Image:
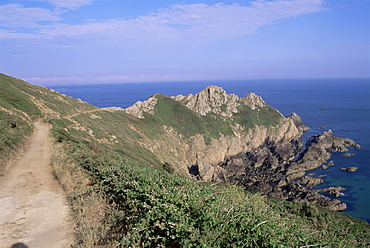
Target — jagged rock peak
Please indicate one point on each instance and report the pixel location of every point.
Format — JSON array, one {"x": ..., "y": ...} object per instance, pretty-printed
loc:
[
  {"x": 215, "y": 99},
  {"x": 139, "y": 107},
  {"x": 253, "y": 101}
]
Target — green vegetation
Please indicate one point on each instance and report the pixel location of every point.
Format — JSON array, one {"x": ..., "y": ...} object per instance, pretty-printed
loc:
[
  {"x": 122, "y": 195},
  {"x": 37, "y": 102},
  {"x": 148, "y": 207},
  {"x": 15, "y": 129},
  {"x": 20, "y": 104},
  {"x": 264, "y": 116},
  {"x": 186, "y": 122}
]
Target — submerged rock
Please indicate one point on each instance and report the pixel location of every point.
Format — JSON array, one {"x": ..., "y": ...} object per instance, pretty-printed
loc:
[
  {"x": 347, "y": 154},
  {"x": 349, "y": 169}
]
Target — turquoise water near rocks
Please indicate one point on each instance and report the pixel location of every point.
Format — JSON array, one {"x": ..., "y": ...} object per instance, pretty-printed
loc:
[{"x": 347, "y": 113}]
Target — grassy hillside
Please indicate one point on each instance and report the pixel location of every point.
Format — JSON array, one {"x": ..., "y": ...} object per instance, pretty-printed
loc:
[
  {"x": 36, "y": 101},
  {"x": 15, "y": 129},
  {"x": 22, "y": 103},
  {"x": 186, "y": 122},
  {"x": 122, "y": 195}
]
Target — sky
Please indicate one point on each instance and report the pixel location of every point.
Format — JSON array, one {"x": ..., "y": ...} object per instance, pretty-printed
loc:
[{"x": 61, "y": 42}]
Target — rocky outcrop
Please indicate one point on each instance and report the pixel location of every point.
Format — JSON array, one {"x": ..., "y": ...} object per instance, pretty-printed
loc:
[
  {"x": 272, "y": 168},
  {"x": 299, "y": 193},
  {"x": 298, "y": 122},
  {"x": 212, "y": 99},
  {"x": 349, "y": 169},
  {"x": 334, "y": 191},
  {"x": 140, "y": 107},
  {"x": 310, "y": 182},
  {"x": 348, "y": 154},
  {"x": 317, "y": 152},
  {"x": 253, "y": 101},
  {"x": 215, "y": 99}
]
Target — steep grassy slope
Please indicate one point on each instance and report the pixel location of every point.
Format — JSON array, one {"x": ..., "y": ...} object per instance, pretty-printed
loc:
[
  {"x": 186, "y": 122},
  {"x": 15, "y": 129},
  {"x": 22, "y": 103},
  {"x": 122, "y": 194}
]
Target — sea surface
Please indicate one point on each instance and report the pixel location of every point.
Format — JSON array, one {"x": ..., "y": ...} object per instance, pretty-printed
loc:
[{"x": 342, "y": 105}]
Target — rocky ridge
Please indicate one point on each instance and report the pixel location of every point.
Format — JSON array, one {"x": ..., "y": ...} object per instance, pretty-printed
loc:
[
  {"x": 266, "y": 159},
  {"x": 212, "y": 99},
  {"x": 215, "y": 99}
]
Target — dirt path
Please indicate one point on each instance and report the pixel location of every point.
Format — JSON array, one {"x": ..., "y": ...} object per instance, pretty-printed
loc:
[{"x": 33, "y": 209}]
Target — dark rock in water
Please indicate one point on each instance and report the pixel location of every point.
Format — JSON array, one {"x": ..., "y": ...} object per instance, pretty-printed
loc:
[
  {"x": 299, "y": 193},
  {"x": 334, "y": 191},
  {"x": 318, "y": 150},
  {"x": 349, "y": 169},
  {"x": 310, "y": 182},
  {"x": 323, "y": 127},
  {"x": 347, "y": 154}
]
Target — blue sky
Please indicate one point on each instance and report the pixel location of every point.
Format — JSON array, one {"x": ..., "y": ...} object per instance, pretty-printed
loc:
[{"x": 116, "y": 41}]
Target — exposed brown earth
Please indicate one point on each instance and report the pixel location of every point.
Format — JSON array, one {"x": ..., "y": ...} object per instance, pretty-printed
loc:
[{"x": 34, "y": 211}]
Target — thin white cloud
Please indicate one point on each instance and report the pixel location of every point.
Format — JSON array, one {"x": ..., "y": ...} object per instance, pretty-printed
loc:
[
  {"x": 16, "y": 15},
  {"x": 134, "y": 78},
  {"x": 70, "y": 4},
  {"x": 191, "y": 24}
]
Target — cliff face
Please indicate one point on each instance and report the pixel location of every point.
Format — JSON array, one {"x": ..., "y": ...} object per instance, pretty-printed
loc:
[{"x": 241, "y": 115}]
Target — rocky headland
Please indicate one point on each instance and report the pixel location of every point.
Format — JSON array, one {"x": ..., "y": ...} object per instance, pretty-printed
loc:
[{"x": 261, "y": 152}]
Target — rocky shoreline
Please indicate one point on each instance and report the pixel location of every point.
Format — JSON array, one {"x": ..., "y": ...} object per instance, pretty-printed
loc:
[{"x": 278, "y": 169}]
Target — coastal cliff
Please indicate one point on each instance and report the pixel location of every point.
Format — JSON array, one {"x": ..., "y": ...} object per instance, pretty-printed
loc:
[
  {"x": 232, "y": 125},
  {"x": 257, "y": 147}
]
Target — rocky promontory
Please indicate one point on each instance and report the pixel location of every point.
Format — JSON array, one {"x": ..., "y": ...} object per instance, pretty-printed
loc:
[{"x": 243, "y": 141}]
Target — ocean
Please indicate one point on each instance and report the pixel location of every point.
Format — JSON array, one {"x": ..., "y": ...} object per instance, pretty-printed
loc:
[{"x": 342, "y": 105}]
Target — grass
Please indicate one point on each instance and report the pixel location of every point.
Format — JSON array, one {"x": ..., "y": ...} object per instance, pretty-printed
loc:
[
  {"x": 186, "y": 122},
  {"x": 15, "y": 130},
  {"x": 263, "y": 116},
  {"x": 37, "y": 102}
]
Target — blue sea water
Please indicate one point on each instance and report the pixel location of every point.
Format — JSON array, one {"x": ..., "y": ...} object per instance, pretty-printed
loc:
[{"x": 347, "y": 113}]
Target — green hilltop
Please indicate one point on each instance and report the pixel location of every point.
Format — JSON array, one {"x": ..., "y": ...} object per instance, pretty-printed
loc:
[{"x": 127, "y": 185}]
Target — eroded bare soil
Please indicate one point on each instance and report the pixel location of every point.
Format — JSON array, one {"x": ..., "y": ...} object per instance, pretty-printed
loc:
[{"x": 33, "y": 208}]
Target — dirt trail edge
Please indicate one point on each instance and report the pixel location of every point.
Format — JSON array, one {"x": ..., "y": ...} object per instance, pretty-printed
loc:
[{"x": 33, "y": 208}]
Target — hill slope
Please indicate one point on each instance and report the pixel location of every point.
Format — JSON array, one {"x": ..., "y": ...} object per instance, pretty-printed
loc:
[
  {"x": 119, "y": 172},
  {"x": 22, "y": 103}
]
